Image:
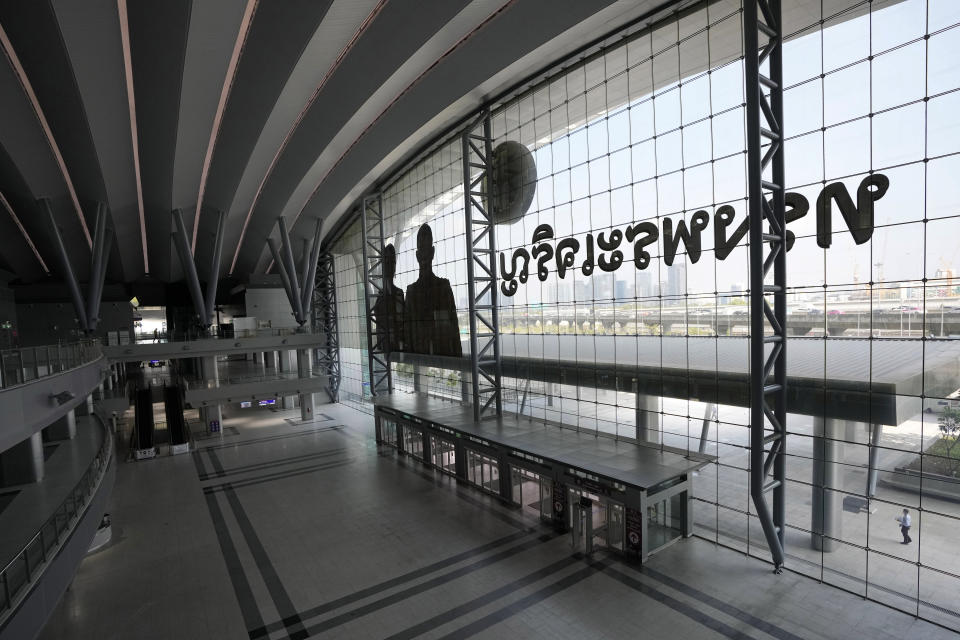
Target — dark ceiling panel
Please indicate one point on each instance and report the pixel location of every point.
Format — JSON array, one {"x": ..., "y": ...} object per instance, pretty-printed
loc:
[
  {"x": 395, "y": 35},
  {"x": 92, "y": 36},
  {"x": 28, "y": 171},
  {"x": 517, "y": 31},
  {"x": 277, "y": 37},
  {"x": 32, "y": 28},
  {"x": 158, "y": 40},
  {"x": 21, "y": 200}
]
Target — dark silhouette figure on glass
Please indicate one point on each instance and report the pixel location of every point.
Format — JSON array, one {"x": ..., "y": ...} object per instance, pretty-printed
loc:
[
  {"x": 430, "y": 323},
  {"x": 388, "y": 310}
]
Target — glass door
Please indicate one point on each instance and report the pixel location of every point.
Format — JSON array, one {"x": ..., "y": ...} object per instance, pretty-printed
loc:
[
  {"x": 615, "y": 526},
  {"x": 598, "y": 513},
  {"x": 546, "y": 498},
  {"x": 664, "y": 521}
]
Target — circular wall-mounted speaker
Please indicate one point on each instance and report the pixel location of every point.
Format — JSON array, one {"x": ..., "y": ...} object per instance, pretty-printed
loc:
[{"x": 513, "y": 182}]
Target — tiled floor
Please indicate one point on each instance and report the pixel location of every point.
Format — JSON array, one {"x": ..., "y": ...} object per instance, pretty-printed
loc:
[{"x": 281, "y": 529}]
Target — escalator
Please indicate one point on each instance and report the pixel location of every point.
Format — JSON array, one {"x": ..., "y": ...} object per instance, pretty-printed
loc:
[
  {"x": 173, "y": 405},
  {"x": 142, "y": 437}
]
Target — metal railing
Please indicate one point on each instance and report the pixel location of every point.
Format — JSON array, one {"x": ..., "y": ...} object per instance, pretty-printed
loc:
[
  {"x": 200, "y": 382},
  {"x": 18, "y": 574},
  {"x": 191, "y": 336},
  {"x": 18, "y": 366}
]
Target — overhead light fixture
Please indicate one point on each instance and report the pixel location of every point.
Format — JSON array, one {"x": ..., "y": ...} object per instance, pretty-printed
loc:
[{"x": 62, "y": 398}]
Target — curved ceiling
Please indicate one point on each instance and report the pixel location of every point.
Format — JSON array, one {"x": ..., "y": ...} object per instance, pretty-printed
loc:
[{"x": 254, "y": 108}]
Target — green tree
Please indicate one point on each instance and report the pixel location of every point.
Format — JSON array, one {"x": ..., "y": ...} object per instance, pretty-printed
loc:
[{"x": 950, "y": 428}]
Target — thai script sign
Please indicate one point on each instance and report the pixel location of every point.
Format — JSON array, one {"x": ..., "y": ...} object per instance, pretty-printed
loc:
[{"x": 603, "y": 250}]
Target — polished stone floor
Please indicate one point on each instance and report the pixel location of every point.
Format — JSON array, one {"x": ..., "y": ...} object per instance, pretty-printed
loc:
[{"x": 280, "y": 529}]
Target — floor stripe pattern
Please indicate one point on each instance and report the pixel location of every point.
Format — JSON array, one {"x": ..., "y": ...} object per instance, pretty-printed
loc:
[{"x": 469, "y": 592}]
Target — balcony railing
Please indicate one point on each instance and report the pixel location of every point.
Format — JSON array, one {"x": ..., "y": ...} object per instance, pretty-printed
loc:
[
  {"x": 18, "y": 366},
  {"x": 28, "y": 565}
]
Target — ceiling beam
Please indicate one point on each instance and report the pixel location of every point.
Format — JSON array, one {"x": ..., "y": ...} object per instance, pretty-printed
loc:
[
  {"x": 218, "y": 118},
  {"x": 296, "y": 123},
  {"x": 28, "y": 90},
  {"x": 132, "y": 104},
  {"x": 23, "y": 231}
]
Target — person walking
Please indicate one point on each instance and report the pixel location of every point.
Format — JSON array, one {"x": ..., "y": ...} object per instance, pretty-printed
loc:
[{"x": 904, "y": 521}]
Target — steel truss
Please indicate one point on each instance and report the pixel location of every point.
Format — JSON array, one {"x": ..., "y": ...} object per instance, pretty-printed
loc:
[
  {"x": 768, "y": 353},
  {"x": 325, "y": 319},
  {"x": 481, "y": 270},
  {"x": 371, "y": 216}
]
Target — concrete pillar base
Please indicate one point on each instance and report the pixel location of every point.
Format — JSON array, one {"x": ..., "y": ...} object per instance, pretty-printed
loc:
[
  {"x": 307, "y": 400},
  {"x": 648, "y": 418},
  {"x": 825, "y": 504},
  {"x": 63, "y": 429}
]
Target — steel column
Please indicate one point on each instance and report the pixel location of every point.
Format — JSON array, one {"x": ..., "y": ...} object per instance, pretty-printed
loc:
[
  {"x": 325, "y": 319},
  {"x": 65, "y": 265},
  {"x": 709, "y": 415},
  {"x": 310, "y": 280},
  {"x": 98, "y": 260},
  {"x": 214, "y": 276},
  {"x": 485, "y": 362},
  {"x": 768, "y": 353},
  {"x": 291, "y": 271},
  {"x": 189, "y": 269},
  {"x": 371, "y": 216},
  {"x": 284, "y": 276},
  {"x": 304, "y": 266}
]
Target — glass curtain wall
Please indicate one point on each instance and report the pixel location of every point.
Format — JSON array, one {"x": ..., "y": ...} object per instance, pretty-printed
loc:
[
  {"x": 652, "y": 131},
  {"x": 430, "y": 193},
  {"x": 639, "y": 285},
  {"x": 352, "y": 319}
]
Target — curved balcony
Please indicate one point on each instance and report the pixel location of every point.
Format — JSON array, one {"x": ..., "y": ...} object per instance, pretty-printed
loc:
[
  {"x": 33, "y": 580},
  {"x": 41, "y": 384}
]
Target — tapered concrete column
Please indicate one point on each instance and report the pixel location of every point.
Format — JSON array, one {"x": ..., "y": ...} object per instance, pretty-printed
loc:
[
  {"x": 257, "y": 357},
  {"x": 307, "y": 408},
  {"x": 288, "y": 364},
  {"x": 85, "y": 408},
  {"x": 826, "y": 503},
  {"x": 648, "y": 418},
  {"x": 22, "y": 463},
  {"x": 108, "y": 381},
  {"x": 63, "y": 429}
]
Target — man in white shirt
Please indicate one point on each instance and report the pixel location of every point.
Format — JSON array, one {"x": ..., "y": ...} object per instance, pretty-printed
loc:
[{"x": 904, "y": 521}]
